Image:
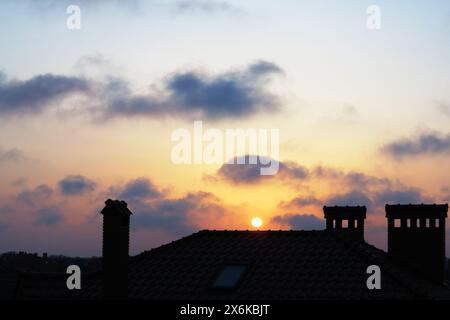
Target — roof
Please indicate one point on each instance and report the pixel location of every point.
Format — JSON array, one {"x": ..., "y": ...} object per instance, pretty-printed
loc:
[
  {"x": 280, "y": 265},
  {"x": 399, "y": 211}
]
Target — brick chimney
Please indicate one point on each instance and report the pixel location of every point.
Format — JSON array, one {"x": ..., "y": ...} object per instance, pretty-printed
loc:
[
  {"x": 116, "y": 233},
  {"x": 416, "y": 237},
  {"x": 346, "y": 221}
]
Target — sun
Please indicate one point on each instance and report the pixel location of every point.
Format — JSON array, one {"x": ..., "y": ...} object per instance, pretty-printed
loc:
[{"x": 257, "y": 222}]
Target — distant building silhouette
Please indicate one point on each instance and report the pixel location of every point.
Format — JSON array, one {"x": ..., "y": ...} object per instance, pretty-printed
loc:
[{"x": 267, "y": 265}]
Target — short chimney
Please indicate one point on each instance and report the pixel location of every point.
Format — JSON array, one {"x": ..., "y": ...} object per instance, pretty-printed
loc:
[
  {"x": 346, "y": 221},
  {"x": 116, "y": 234},
  {"x": 416, "y": 237}
]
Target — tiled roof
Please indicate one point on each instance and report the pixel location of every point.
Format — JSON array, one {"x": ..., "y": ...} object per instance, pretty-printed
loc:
[{"x": 284, "y": 265}]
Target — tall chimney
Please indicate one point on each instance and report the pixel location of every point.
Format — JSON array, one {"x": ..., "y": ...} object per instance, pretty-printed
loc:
[
  {"x": 116, "y": 234},
  {"x": 346, "y": 221},
  {"x": 416, "y": 237}
]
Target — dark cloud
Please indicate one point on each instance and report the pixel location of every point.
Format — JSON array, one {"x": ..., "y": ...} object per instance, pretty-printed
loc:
[
  {"x": 34, "y": 95},
  {"x": 139, "y": 189},
  {"x": 237, "y": 94},
  {"x": 176, "y": 216},
  {"x": 430, "y": 143},
  {"x": 352, "y": 198},
  {"x": 11, "y": 155},
  {"x": 194, "y": 95},
  {"x": 406, "y": 196},
  {"x": 248, "y": 173},
  {"x": 36, "y": 196},
  {"x": 49, "y": 217},
  {"x": 300, "y": 221},
  {"x": 76, "y": 185}
]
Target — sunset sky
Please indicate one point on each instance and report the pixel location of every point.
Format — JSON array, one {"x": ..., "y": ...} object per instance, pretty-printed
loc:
[{"x": 88, "y": 114}]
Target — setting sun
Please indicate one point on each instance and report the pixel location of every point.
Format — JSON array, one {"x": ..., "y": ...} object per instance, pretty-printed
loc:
[{"x": 257, "y": 222}]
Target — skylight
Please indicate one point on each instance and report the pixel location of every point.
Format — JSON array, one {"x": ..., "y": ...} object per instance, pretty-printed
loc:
[{"x": 229, "y": 276}]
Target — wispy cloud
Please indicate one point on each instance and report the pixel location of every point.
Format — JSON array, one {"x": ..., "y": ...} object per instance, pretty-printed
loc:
[
  {"x": 36, "y": 196},
  {"x": 11, "y": 155}
]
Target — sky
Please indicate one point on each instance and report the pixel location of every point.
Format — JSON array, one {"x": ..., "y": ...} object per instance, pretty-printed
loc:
[{"x": 88, "y": 114}]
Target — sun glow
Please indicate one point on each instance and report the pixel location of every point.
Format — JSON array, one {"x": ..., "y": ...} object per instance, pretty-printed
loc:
[{"x": 257, "y": 222}]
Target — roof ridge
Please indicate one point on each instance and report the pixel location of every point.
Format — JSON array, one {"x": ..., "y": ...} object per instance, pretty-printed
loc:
[{"x": 204, "y": 231}]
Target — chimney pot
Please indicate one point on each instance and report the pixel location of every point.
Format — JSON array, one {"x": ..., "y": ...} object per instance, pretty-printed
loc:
[{"x": 352, "y": 215}]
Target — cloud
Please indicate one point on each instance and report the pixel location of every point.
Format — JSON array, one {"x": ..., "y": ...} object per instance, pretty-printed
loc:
[
  {"x": 76, "y": 185},
  {"x": 139, "y": 189},
  {"x": 352, "y": 198},
  {"x": 50, "y": 216},
  {"x": 236, "y": 94},
  {"x": 406, "y": 196},
  {"x": 430, "y": 143},
  {"x": 34, "y": 95},
  {"x": 36, "y": 196},
  {"x": 176, "y": 216},
  {"x": 290, "y": 171},
  {"x": 300, "y": 221},
  {"x": 191, "y": 94},
  {"x": 11, "y": 155},
  {"x": 362, "y": 181},
  {"x": 247, "y": 173}
]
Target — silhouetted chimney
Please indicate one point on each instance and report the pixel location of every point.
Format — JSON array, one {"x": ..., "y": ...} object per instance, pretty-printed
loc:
[
  {"x": 116, "y": 233},
  {"x": 416, "y": 236},
  {"x": 346, "y": 221}
]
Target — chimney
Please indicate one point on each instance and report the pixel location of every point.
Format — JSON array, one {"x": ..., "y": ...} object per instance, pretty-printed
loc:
[
  {"x": 346, "y": 221},
  {"x": 416, "y": 237},
  {"x": 116, "y": 233}
]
